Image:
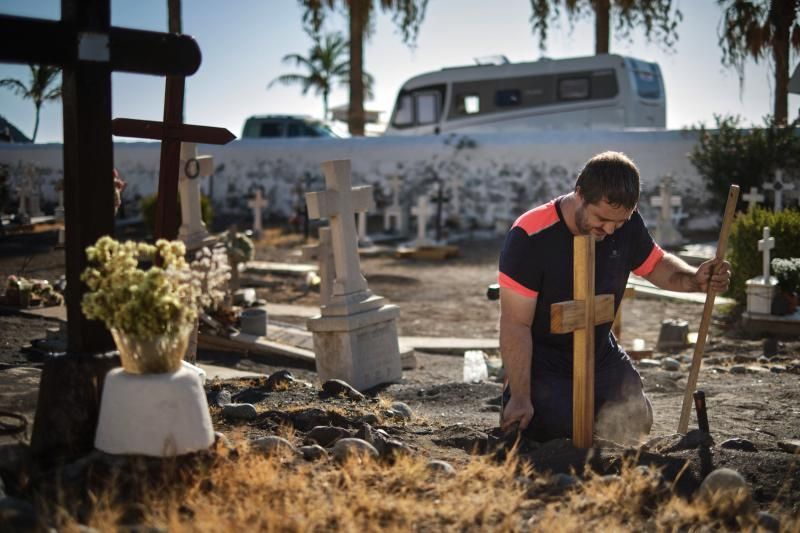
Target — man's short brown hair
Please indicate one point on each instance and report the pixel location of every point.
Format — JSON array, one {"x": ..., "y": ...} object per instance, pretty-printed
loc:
[{"x": 610, "y": 176}]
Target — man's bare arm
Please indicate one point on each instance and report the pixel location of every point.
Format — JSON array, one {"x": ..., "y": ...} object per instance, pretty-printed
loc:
[
  {"x": 673, "y": 274},
  {"x": 516, "y": 348}
]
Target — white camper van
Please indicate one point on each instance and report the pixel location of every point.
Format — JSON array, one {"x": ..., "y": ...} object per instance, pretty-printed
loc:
[{"x": 597, "y": 92}]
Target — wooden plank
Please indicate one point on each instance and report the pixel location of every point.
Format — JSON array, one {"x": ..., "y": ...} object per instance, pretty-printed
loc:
[
  {"x": 243, "y": 343},
  {"x": 708, "y": 307},
  {"x": 583, "y": 344},
  {"x": 566, "y": 317},
  {"x": 151, "y": 129}
]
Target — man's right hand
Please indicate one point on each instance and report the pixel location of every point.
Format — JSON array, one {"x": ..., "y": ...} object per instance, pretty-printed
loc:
[{"x": 517, "y": 410}]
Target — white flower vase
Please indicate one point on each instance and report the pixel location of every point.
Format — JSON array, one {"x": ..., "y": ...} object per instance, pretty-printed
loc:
[{"x": 154, "y": 405}]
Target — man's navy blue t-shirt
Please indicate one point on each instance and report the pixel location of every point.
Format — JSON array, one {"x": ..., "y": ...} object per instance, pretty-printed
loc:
[{"x": 536, "y": 261}]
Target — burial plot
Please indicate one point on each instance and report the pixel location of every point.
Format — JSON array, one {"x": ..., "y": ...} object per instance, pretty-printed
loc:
[
  {"x": 761, "y": 289},
  {"x": 355, "y": 336},
  {"x": 88, "y": 49}
]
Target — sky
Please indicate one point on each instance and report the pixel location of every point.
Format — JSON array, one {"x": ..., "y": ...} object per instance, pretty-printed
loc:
[{"x": 243, "y": 41}]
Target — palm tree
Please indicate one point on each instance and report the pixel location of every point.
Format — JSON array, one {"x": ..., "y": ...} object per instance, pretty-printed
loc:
[
  {"x": 39, "y": 90},
  {"x": 326, "y": 64},
  {"x": 656, "y": 17},
  {"x": 755, "y": 28},
  {"x": 407, "y": 15}
]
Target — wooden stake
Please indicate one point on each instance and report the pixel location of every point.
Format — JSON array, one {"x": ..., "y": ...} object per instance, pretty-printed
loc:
[
  {"x": 705, "y": 321},
  {"x": 579, "y": 317}
]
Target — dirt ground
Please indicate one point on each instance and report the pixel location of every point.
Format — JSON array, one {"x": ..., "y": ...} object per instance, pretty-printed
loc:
[{"x": 451, "y": 418}]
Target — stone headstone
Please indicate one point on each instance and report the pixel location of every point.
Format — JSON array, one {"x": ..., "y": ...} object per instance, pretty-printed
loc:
[
  {"x": 192, "y": 167},
  {"x": 355, "y": 336},
  {"x": 394, "y": 216},
  {"x": 666, "y": 234},
  {"x": 323, "y": 254},
  {"x": 422, "y": 211},
  {"x": 761, "y": 289},
  {"x": 257, "y": 204},
  {"x": 674, "y": 334},
  {"x": 363, "y": 238},
  {"x": 778, "y": 186}
]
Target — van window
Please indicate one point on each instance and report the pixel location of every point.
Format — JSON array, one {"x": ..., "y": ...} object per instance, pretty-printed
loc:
[
  {"x": 573, "y": 88},
  {"x": 299, "y": 129},
  {"x": 647, "y": 79},
  {"x": 507, "y": 98},
  {"x": 404, "y": 114},
  {"x": 468, "y": 104},
  {"x": 271, "y": 129},
  {"x": 604, "y": 84},
  {"x": 427, "y": 108}
]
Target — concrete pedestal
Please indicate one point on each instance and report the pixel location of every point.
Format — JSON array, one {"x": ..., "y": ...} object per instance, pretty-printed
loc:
[
  {"x": 760, "y": 294},
  {"x": 158, "y": 415},
  {"x": 359, "y": 348}
]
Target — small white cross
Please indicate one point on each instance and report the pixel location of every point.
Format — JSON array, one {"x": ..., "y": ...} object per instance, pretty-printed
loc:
[
  {"x": 765, "y": 245},
  {"x": 422, "y": 211},
  {"x": 752, "y": 198},
  {"x": 257, "y": 204},
  {"x": 778, "y": 186}
]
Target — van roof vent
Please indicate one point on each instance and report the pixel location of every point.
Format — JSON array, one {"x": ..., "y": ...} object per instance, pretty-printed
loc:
[{"x": 498, "y": 59}]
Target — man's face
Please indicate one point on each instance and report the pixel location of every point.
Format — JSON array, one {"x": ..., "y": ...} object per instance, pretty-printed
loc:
[{"x": 600, "y": 219}]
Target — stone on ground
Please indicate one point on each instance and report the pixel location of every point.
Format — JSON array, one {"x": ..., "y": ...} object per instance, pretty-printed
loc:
[
  {"x": 326, "y": 436},
  {"x": 726, "y": 492},
  {"x": 345, "y": 448},
  {"x": 313, "y": 452},
  {"x": 403, "y": 409},
  {"x": 272, "y": 444},
  {"x": 441, "y": 467},
  {"x": 338, "y": 387},
  {"x": 239, "y": 411}
]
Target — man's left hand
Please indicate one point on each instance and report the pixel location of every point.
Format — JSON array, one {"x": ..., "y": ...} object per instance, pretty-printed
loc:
[{"x": 715, "y": 272}]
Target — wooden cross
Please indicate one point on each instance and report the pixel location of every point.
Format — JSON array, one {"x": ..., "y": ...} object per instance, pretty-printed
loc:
[
  {"x": 579, "y": 316},
  {"x": 777, "y": 187},
  {"x": 88, "y": 49},
  {"x": 257, "y": 204},
  {"x": 339, "y": 204},
  {"x": 752, "y": 198},
  {"x": 766, "y": 244}
]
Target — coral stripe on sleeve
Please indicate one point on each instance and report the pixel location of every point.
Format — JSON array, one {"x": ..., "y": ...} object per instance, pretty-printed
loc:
[
  {"x": 538, "y": 219},
  {"x": 508, "y": 283},
  {"x": 650, "y": 263}
]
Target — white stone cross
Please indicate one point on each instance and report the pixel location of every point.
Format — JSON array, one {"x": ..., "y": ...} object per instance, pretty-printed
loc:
[
  {"x": 422, "y": 211},
  {"x": 257, "y": 204},
  {"x": 339, "y": 204},
  {"x": 666, "y": 233},
  {"x": 193, "y": 229},
  {"x": 752, "y": 198},
  {"x": 395, "y": 211},
  {"x": 777, "y": 187},
  {"x": 363, "y": 239},
  {"x": 765, "y": 245},
  {"x": 323, "y": 254}
]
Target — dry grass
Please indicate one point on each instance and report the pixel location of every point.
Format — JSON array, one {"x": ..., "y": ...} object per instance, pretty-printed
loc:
[{"x": 240, "y": 490}]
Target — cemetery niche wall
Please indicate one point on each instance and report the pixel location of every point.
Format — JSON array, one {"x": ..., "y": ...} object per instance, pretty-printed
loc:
[{"x": 489, "y": 177}]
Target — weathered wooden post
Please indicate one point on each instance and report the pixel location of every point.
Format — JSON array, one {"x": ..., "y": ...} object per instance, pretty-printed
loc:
[{"x": 579, "y": 316}]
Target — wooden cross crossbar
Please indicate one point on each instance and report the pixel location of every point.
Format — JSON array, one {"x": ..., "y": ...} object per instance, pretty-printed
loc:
[{"x": 579, "y": 316}]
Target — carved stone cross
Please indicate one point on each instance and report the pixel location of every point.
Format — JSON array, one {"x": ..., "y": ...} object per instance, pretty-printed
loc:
[
  {"x": 257, "y": 204},
  {"x": 778, "y": 187},
  {"x": 395, "y": 211},
  {"x": 579, "y": 316},
  {"x": 422, "y": 211},
  {"x": 323, "y": 254},
  {"x": 193, "y": 229},
  {"x": 752, "y": 198},
  {"x": 766, "y": 244},
  {"x": 338, "y": 204}
]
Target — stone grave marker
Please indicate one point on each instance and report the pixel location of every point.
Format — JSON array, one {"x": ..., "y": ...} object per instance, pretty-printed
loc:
[
  {"x": 323, "y": 254},
  {"x": 422, "y": 211},
  {"x": 193, "y": 230},
  {"x": 363, "y": 239},
  {"x": 778, "y": 186},
  {"x": 753, "y": 198},
  {"x": 761, "y": 289},
  {"x": 394, "y": 216},
  {"x": 33, "y": 184},
  {"x": 666, "y": 234},
  {"x": 355, "y": 336},
  {"x": 257, "y": 204}
]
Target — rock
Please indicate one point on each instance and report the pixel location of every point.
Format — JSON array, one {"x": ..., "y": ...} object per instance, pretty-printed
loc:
[
  {"x": 365, "y": 433},
  {"x": 369, "y": 418},
  {"x": 309, "y": 418},
  {"x": 738, "y": 443},
  {"x": 649, "y": 363},
  {"x": 791, "y": 446},
  {"x": 745, "y": 358},
  {"x": 325, "y": 436},
  {"x": 345, "y": 448},
  {"x": 390, "y": 413},
  {"x": 670, "y": 364},
  {"x": 17, "y": 515},
  {"x": 777, "y": 369},
  {"x": 719, "y": 369},
  {"x": 403, "y": 410},
  {"x": 738, "y": 369},
  {"x": 685, "y": 359},
  {"x": 726, "y": 492},
  {"x": 337, "y": 387},
  {"x": 768, "y": 521},
  {"x": 564, "y": 481},
  {"x": 763, "y": 359},
  {"x": 441, "y": 467},
  {"x": 393, "y": 448},
  {"x": 279, "y": 379},
  {"x": 249, "y": 396},
  {"x": 273, "y": 444},
  {"x": 674, "y": 334},
  {"x": 755, "y": 369},
  {"x": 676, "y": 442},
  {"x": 313, "y": 452},
  {"x": 714, "y": 360},
  {"x": 220, "y": 398},
  {"x": 221, "y": 442},
  {"x": 240, "y": 411},
  {"x": 770, "y": 346}
]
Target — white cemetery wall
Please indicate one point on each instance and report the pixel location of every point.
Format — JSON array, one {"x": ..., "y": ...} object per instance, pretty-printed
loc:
[{"x": 535, "y": 166}]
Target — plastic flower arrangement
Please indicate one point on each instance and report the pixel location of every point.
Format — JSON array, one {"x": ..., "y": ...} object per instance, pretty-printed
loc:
[
  {"x": 211, "y": 271},
  {"x": 161, "y": 300}
]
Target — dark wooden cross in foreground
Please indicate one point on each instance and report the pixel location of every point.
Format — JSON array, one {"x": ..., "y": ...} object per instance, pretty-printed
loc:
[
  {"x": 579, "y": 317},
  {"x": 88, "y": 49}
]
